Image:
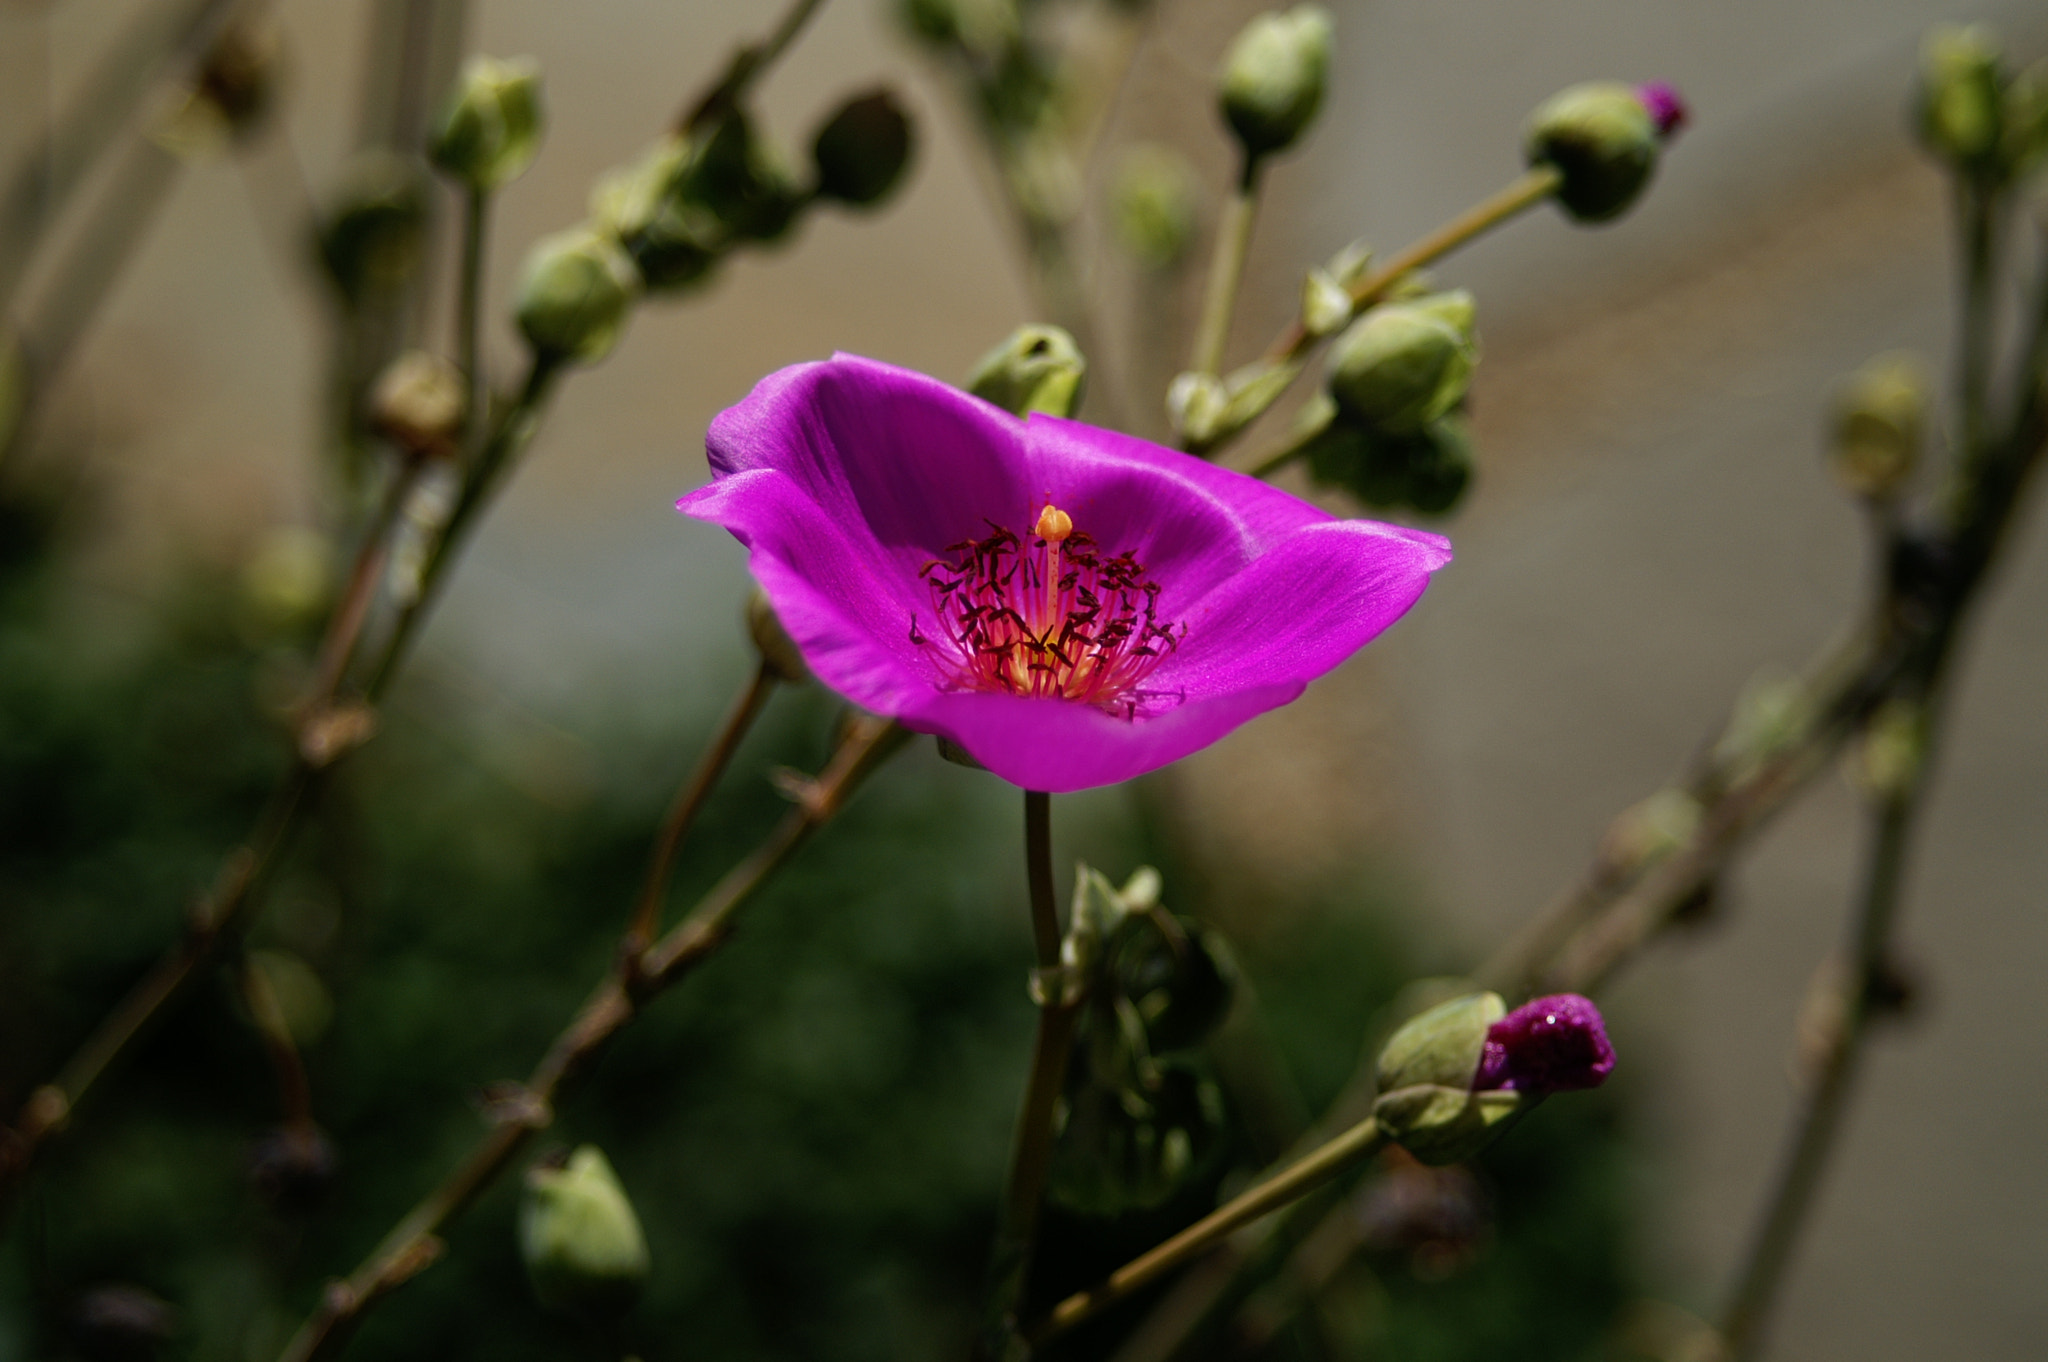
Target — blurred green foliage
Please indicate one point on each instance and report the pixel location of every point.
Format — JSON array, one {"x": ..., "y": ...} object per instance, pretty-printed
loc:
[{"x": 813, "y": 1127}]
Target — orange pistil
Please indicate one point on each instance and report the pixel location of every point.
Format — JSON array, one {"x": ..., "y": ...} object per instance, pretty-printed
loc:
[{"x": 1048, "y": 616}]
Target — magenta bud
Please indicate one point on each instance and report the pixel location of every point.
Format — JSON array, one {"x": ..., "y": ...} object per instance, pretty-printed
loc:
[
  {"x": 1667, "y": 110},
  {"x": 1554, "y": 1044}
]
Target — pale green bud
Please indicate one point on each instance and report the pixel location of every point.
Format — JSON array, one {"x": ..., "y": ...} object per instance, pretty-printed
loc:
[
  {"x": 581, "y": 1241},
  {"x": 576, "y": 293},
  {"x": 1349, "y": 265},
  {"x": 1651, "y": 829},
  {"x": 1893, "y": 749},
  {"x": 1153, "y": 205},
  {"x": 1197, "y": 405},
  {"x": 1879, "y": 417},
  {"x": 1402, "y": 365},
  {"x": 1325, "y": 304},
  {"x": 1426, "y": 1069},
  {"x": 674, "y": 242},
  {"x": 1603, "y": 141},
  {"x": 287, "y": 581},
  {"x": 778, "y": 651},
  {"x": 1036, "y": 368},
  {"x": 862, "y": 151},
  {"x": 1961, "y": 96},
  {"x": 1274, "y": 76},
  {"x": 490, "y": 128},
  {"x": 371, "y": 239}
]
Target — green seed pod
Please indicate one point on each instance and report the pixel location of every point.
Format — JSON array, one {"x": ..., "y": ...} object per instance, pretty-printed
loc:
[
  {"x": 581, "y": 1241},
  {"x": 1961, "y": 97},
  {"x": 1879, "y": 417},
  {"x": 490, "y": 128},
  {"x": 777, "y": 649},
  {"x": 1273, "y": 78},
  {"x": 1036, "y": 368},
  {"x": 577, "y": 290},
  {"x": 1153, "y": 205},
  {"x": 1402, "y": 365},
  {"x": 1602, "y": 139},
  {"x": 1325, "y": 304},
  {"x": 863, "y": 150},
  {"x": 1426, "y": 1070}
]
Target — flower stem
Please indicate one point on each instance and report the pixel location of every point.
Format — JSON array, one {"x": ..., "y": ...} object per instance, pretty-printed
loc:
[
  {"x": 1031, "y": 1147},
  {"x": 345, "y": 626},
  {"x": 1798, "y": 1181},
  {"x": 689, "y": 801},
  {"x": 747, "y": 65},
  {"x": 414, "y": 1244},
  {"x": 1226, "y": 268},
  {"x": 1354, "y": 1146}
]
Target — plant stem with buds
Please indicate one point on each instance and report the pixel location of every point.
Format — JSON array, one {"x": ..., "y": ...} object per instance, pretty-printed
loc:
[{"x": 1226, "y": 269}]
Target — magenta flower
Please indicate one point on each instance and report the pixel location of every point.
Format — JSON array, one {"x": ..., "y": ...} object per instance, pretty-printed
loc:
[
  {"x": 1072, "y": 606},
  {"x": 1665, "y": 106},
  {"x": 1554, "y": 1044}
]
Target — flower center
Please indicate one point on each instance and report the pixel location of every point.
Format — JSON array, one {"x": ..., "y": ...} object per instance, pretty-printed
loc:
[{"x": 1048, "y": 615}]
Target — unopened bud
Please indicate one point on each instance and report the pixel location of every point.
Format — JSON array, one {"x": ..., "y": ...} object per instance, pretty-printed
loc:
[
  {"x": 575, "y": 295},
  {"x": 293, "y": 1169},
  {"x": 1402, "y": 365},
  {"x": 1602, "y": 138},
  {"x": 1274, "y": 76},
  {"x": 491, "y": 127},
  {"x": 286, "y": 581},
  {"x": 1961, "y": 96},
  {"x": 232, "y": 92},
  {"x": 1878, "y": 420},
  {"x": 673, "y": 242},
  {"x": 743, "y": 180},
  {"x": 1426, "y": 1100},
  {"x": 778, "y": 651},
  {"x": 1153, "y": 205},
  {"x": 1036, "y": 368},
  {"x": 1547, "y": 1045},
  {"x": 1894, "y": 747},
  {"x": 417, "y": 404},
  {"x": 372, "y": 237},
  {"x": 1325, "y": 304},
  {"x": 1650, "y": 830},
  {"x": 862, "y": 152},
  {"x": 581, "y": 1241},
  {"x": 1349, "y": 265},
  {"x": 1196, "y": 404}
]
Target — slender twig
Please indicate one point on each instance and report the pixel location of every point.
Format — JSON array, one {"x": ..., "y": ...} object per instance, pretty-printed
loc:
[
  {"x": 1297, "y": 1180},
  {"x": 1226, "y": 268},
  {"x": 747, "y": 65},
  {"x": 1031, "y": 1147},
  {"x": 1977, "y": 211},
  {"x": 689, "y": 801},
  {"x": 415, "y": 1243},
  {"x": 365, "y": 575},
  {"x": 1820, "y": 1120}
]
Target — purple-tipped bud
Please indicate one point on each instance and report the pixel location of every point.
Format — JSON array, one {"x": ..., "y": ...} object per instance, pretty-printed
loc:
[
  {"x": 1667, "y": 110},
  {"x": 1554, "y": 1044}
]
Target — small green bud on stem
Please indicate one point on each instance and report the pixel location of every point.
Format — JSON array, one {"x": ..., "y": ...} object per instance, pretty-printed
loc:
[
  {"x": 1403, "y": 365},
  {"x": 1603, "y": 139},
  {"x": 1153, "y": 205},
  {"x": 490, "y": 128},
  {"x": 1036, "y": 368},
  {"x": 582, "y": 1244},
  {"x": 417, "y": 404},
  {"x": 1879, "y": 417},
  {"x": 1426, "y": 1071},
  {"x": 573, "y": 301},
  {"x": 1961, "y": 98},
  {"x": 1274, "y": 76}
]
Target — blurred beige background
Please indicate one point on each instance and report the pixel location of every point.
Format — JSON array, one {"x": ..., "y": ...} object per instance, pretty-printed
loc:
[{"x": 1651, "y": 527}]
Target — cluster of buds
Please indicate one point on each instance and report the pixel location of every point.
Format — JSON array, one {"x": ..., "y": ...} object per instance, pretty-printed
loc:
[
  {"x": 1458, "y": 1075},
  {"x": 1984, "y": 123},
  {"x": 663, "y": 223},
  {"x": 1391, "y": 428},
  {"x": 1139, "y": 1117}
]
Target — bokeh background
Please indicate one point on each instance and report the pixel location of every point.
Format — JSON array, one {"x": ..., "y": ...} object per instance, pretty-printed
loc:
[{"x": 1651, "y": 528}]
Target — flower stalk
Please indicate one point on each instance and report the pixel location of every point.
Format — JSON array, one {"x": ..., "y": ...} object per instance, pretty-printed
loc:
[{"x": 1226, "y": 268}]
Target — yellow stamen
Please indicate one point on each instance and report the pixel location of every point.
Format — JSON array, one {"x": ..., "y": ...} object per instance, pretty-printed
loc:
[{"x": 1054, "y": 525}]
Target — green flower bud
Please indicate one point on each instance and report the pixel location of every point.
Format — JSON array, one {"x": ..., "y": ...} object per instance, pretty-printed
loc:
[
  {"x": 1273, "y": 78},
  {"x": 1426, "y": 1070},
  {"x": 575, "y": 295},
  {"x": 581, "y": 1241},
  {"x": 491, "y": 126},
  {"x": 1153, "y": 205},
  {"x": 1037, "y": 368},
  {"x": 231, "y": 93},
  {"x": 744, "y": 181},
  {"x": 1325, "y": 304},
  {"x": 1877, "y": 430},
  {"x": 1893, "y": 749},
  {"x": 1197, "y": 404},
  {"x": 1403, "y": 365},
  {"x": 778, "y": 650},
  {"x": 372, "y": 238},
  {"x": 1961, "y": 95},
  {"x": 674, "y": 242},
  {"x": 417, "y": 404},
  {"x": 1603, "y": 141},
  {"x": 862, "y": 152}
]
